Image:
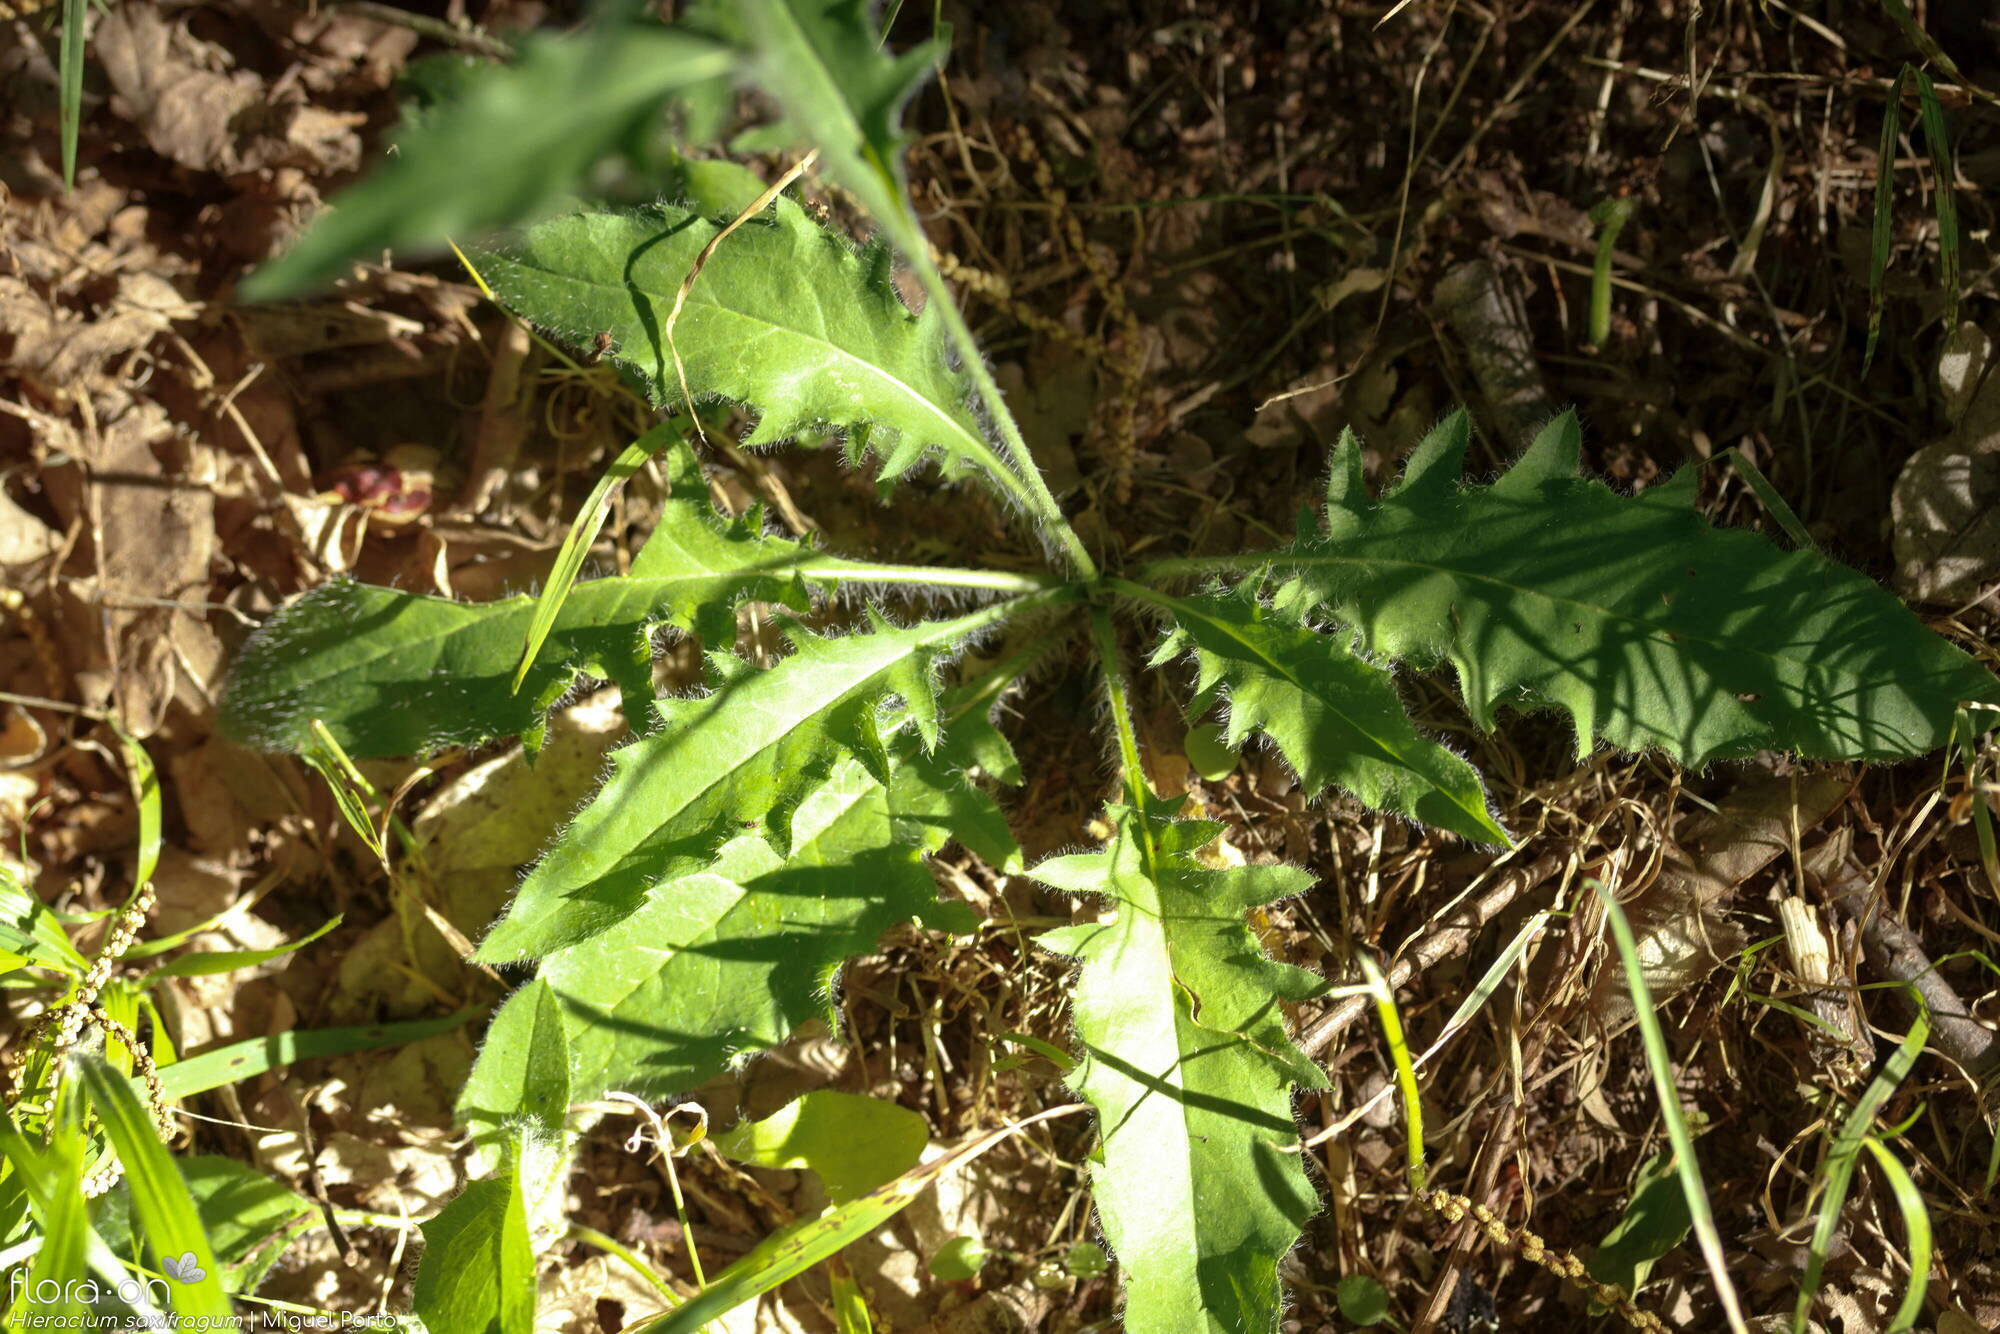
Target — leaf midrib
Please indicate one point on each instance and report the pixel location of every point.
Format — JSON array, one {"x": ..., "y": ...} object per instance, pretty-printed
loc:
[{"x": 973, "y": 444}]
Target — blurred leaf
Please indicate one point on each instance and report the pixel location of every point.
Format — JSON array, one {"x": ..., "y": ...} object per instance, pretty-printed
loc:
[
  {"x": 514, "y": 141},
  {"x": 1362, "y": 1299}
]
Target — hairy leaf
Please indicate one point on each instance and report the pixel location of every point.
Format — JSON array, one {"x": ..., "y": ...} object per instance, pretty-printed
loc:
[
  {"x": 739, "y": 759},
  {"x": 1335, "y": 716},
  {"x": 1187, "y": 1061},
  {"x": 478, "y": 1269},
  {"x": 823, "y": 62},
  {"x": 730, "y": 959},
  {"x": 786, "y": 317},
  {"x": 1648, "y": 626},
  {"x": 396, "y": 673},
  {"x": 511, "y": 143}
]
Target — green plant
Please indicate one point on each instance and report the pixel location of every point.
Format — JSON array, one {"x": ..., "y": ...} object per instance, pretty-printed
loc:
[{"x": 752, "y": 837}]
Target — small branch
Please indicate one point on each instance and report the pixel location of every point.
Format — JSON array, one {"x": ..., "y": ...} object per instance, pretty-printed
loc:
[{"x": 1899, "y": 956}]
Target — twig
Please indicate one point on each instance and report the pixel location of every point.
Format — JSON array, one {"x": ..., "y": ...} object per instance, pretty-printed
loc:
[{"x": 1454, "y": 937}]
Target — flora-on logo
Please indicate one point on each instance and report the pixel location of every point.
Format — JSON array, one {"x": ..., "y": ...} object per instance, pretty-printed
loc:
[{"x": 183, "y": 1268}]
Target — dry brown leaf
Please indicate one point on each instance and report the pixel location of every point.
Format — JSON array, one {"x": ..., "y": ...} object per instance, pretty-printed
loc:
[
  {"x": 1946, "y": 503},
  {"x": 174, "y": 88}
]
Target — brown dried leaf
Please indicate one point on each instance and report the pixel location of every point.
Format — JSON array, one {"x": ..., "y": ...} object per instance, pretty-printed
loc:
[{"x": 1946, "y": 503}]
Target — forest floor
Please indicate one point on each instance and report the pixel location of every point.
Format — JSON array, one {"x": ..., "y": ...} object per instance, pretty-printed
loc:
[{"x": 1226, "y": 233}]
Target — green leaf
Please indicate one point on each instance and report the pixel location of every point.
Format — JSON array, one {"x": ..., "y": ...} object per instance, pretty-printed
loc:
[
  {"x": 739, "y": 758},
  {"x": 786, "y": 318},
  {"x": 823, "y": 62},
  {"x": 396, "y": 673},
  {"x": 161, "y": 1202},
  {"x": 1335, "y": 716},
  {"x": 730, "y": 960},
  {"x": 854, "y": 1144},
  {"x": 1655, "y": 1221},
  {"x": 209, "y": 963},
  {"x": 31, "y": 933},
  {"x": 253, "y": 1056},
  {"x": 511, "y": 144},
  {"x": 1187, "y": 1061},
  {"x": 1363, "y": 1300},
  {"x": 478, "y": 1270},
  {"x": 1649, "y": 627},
  {"x": 245, "y": 1213},
  {"x": 582, "y": 536}
]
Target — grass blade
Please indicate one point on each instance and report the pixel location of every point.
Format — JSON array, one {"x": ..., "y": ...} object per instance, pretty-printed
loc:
[
  {"x": 1840, "y": 1158},
  {"x": 1944, "y": 170},
  {"x": 1917, "y": 1223},
  {"x": 1661, "y": 1064},
  {"x": 161, "y": 1203},
  {"x": 1885, "y": 197},
  {"x": 76, "y": 14},
  {"x": 583, "y": 535},
  {"x": 796, "y": 1249},
  {"x": 254, "y": 1056}
]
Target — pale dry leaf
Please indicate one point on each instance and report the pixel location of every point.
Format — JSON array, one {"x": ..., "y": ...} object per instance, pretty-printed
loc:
[
  {"x": 175, "y": 88},
  {"x": 24, "y": 539},
  {"x": 1946, "y": 503}
]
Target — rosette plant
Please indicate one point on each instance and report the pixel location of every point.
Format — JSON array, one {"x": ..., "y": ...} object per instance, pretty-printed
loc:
[{"x": 754, "y": 835}]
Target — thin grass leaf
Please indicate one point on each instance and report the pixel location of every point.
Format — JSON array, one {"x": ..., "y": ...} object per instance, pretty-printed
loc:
[
  {"x": 42, "y": 1182},
  {"x": 65, "y": 1227},
  {"x": 1660, "y": 1062},
  {"x": 798, "y": 1248},
  {"x": 209, "y": 963},
  {"x": 1406, "y": 1073},
  {"x": 146, "y": 799},
  {"x": 1882, "y": 233},
  {"x": 76, "y": 16},
  {"x": 1767, "y": 495},
  {"x": 254, "y": 1056},
  {"x": 1842, "y": 1154},
  {"x": 1928, "y": 47},
  {"x": 1916, "y": 1224},
  {"x": 161, "y": 1202},
  {"x": 583, "y": 535},
  {"x": 351, "y": 791},
  {"x": 1944, "y": 173}
]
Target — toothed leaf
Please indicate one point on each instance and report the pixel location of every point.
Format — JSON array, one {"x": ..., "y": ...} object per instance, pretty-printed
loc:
[
  {"x": 1335, "y": 717},
  {"x": 397, "y": 673},
  {"x": 730, "y": 959},
  {"x": 786, "y": 317},
  {"x": 1186, "y": 1059},
  {"x": 1632, "y": 614},
  {"x": 736, "y": 760}
]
